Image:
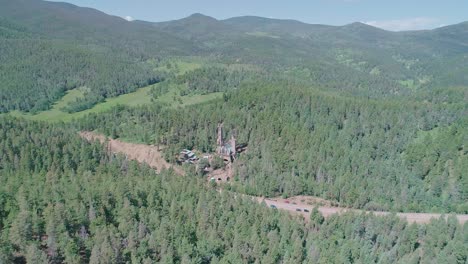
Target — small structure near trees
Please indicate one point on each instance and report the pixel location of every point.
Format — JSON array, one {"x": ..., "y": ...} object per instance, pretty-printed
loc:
[{"x": 187, "y": 156}]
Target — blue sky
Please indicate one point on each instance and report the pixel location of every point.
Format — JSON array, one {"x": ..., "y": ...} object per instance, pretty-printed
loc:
[{"x": 388, "y": 14}]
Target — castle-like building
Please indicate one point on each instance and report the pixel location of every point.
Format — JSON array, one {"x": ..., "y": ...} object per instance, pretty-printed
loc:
[{"x": 227, "y": 150}]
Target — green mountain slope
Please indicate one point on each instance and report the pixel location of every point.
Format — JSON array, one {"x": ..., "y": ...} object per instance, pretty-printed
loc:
[
  {"x": 356, "y": 58},
  {"x": 359, "y": 152},
  {"x": 49, "y": 48},
  {"x": 419, "y": 56}
]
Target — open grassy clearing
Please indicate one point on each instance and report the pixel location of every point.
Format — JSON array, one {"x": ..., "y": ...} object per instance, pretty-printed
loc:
[
  {"x": 179, "y": 67},
  {"x": 262, "y": 34},
  {"x": 139, "y": 97},
  {"x": 173, "y": 100},
  {"x": 408, "y": 83}
]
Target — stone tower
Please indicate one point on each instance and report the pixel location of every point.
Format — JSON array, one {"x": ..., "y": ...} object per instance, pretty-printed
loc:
[
  {"x": 219, "y": 141},
  {"x": 233, "y": 146}
]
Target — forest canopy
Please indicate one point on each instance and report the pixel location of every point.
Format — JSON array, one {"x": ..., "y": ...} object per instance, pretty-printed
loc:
[
  {"x": 303, "y": 141},
  {"x": 66, "y": 200}
]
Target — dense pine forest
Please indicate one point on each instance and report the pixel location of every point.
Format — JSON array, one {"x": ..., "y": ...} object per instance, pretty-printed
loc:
[
  {"x": 308, "y": 142},
  {"x": 66, "y": 200},
  {"x": 357, "y": 116}
]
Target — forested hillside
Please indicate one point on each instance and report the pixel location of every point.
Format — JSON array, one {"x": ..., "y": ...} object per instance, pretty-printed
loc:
[
  {"x": 49, "y": 48},
  {"x": 65, "y": 200},
  {"x": 351, "y": 115},
  {"x": 45, "y": 70},
  {"x": 308, "y": 142},
  {"x": 352, "y": 58}
]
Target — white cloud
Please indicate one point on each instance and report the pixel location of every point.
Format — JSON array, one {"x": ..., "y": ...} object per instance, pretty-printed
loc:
[
  {"x": 416, "y": 23},
  {"x": 128, "y": 18}
]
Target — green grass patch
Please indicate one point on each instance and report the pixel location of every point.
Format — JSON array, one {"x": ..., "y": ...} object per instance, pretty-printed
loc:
[
  {"x": 408, "y": 83},
  {"x": 375, "y": 71},
  {"x": 421, "y": 135},
  {"x": 262, "y": 34},
  {"x": 191, "y": 99},
  {"x": 178, "y": 67},
  {"x": 139, "y": 97}
]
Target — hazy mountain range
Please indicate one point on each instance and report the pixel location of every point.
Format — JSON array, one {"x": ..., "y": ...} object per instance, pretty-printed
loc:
[{"x": 405, "y": 60}]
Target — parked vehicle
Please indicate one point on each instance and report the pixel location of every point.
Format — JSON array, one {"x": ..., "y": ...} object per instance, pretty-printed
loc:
[
  {"x": 273, "y": 206},
  {"x": 306, "y": 210},
  {"x": 298, "y": 209}
]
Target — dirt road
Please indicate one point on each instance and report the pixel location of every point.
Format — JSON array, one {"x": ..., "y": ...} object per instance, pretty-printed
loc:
[
  {"x": 142, "y": 153},
  {"x": 419, "y": 218},
  {"x": 153, "y": 157}
]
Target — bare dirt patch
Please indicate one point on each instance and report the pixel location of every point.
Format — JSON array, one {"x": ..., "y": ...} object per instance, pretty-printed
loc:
[
  {"x": 220, "y": 175},
  {"x": 142, "y": 153}
]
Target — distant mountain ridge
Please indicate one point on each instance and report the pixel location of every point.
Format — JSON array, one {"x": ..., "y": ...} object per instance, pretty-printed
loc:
[
  {"x": 408, "y": 55},
  {"x": 356, "y": 57}
]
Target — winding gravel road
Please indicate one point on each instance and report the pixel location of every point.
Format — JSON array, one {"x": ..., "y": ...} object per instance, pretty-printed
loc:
[{"x": 419, "y": 218}]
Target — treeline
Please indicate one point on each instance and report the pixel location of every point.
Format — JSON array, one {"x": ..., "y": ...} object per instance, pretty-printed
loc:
[
  {"x": 301, "y": 141},
  {"x": 65, "y": 200},
  {"x": 212, "y": 79},
  {"x": 440, "y": 156},
  {"x": 49, "y": 48},
  {"x": 209, "y": 78},
  {"x": 352, "y": 238}
]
